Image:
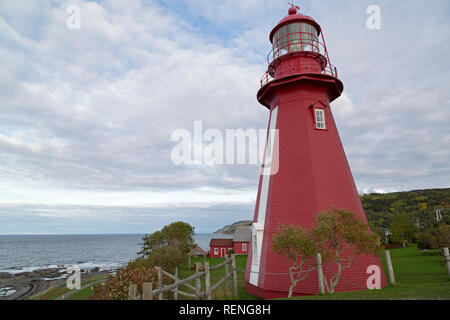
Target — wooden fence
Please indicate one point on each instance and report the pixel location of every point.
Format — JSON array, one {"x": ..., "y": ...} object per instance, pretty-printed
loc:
[
  {"x": 230, "y": 263},
  {"x": 148, "y": 293}
]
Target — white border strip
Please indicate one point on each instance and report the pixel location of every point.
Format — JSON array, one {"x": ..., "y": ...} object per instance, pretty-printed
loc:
[{"x": 258, "y": 227}]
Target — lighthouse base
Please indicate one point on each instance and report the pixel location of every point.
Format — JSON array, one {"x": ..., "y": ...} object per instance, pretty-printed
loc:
[
  {"x": 271, "y": 294},
  {"x": 366, "y": 273},
  {"x": 268, "y": 294}
]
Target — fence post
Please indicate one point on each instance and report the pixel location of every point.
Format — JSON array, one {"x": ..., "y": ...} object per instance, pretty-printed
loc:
[
  {"x": 207, "y": 281},
  {"x": 390, "y": 269},
  {"x": 198, "y": 283},
  {"x": 175, "y": 293},
  {"x": 320, "y": 274},
  {"x": 227, "y": 272},
  {"x": 147, "y": 291},
  {"x": 447, "y": 260},
  {"x": 235, "y": 283},
  {"x": 160, "y": 284},
  {"x": 132, "y": 292}
]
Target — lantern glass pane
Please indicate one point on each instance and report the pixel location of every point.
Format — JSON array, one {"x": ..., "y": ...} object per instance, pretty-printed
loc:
[
  {"x": 306, "y": 37},
  {"x": 282, "y": 40},
  {"x": 315, "y": 40},
  {"x": 294, "y": 37},
  {"x": 275, "y": 45}
]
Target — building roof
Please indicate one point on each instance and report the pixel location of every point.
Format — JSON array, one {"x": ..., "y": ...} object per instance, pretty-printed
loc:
[
  {"x": 242, "y": 234},
  {"x": 221, "y": 242},
  {"x": 197, "y": 251}
]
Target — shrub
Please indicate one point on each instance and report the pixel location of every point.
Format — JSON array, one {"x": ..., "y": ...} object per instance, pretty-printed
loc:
[
  {"x": 341, "y": 236},
  {"x": 116, "y": 288},
  {"x": 178, "y": 234},
  {"x": 436, "y": 238},
  {"x": 443, "y": 236},
  {"x": 296, "y": 244},
  {"x": 338, "y": 235},
  {"x": 167, "y": 257},
  {"x": 402, "y": 229},
  {"x": 426, "y": 240}
]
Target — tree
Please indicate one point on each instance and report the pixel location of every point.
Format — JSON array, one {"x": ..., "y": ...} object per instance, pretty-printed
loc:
[
  {"x": 402, "y": 229},
  {"x": 442, "y": 236},
  {"x": 167, "y": 257},
  {"x": 418, "y": 205},
  {"x": 296, "y": 244},
  {"x": 179, "y": 235},
  {"x": 436, "y": 238},
  {"x": 341, "y": 236}
]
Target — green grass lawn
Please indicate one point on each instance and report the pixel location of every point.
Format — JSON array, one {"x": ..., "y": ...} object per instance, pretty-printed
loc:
[
  {"x": 51, "y": 293},
  {"x": 216, "y": 275},
  {"x": 83, "y": 294},
  {"x": 418, "y": 276},
  {"x": 57, "y": 291}
]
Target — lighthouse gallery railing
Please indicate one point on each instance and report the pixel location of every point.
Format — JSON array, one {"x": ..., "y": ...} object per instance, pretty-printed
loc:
[{"x": 298, "y": 42}]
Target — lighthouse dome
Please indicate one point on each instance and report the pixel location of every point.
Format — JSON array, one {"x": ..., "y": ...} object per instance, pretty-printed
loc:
[
  {"x": 295, "y": 32},
  {"x": 295, "y": 16}
]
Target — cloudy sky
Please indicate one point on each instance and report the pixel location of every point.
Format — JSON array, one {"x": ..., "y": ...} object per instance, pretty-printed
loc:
[{"x": 86, "y": 115}]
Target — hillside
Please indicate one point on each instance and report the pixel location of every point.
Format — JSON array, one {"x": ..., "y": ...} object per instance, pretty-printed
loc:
[
  {"x": 231, "y": 228},
  {"x": 417, "y": 204}
]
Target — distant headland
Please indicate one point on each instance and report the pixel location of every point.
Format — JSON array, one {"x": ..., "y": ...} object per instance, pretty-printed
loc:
[{"x": 229, "y": 229}]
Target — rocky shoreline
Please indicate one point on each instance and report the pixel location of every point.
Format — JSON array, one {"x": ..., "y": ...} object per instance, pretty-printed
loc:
[{"x": 23, "y": 285}]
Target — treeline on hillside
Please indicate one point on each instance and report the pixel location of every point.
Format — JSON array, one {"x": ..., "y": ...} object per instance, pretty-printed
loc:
[{"x": 411, "y": 212}]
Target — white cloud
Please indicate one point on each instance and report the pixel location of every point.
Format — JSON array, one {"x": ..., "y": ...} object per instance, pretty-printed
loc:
[{"x": 86, "y": 115}]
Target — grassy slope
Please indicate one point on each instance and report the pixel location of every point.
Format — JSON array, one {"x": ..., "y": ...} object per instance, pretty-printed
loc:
[
  {"x": 57, "y": 291},
  {"x": 216, "y": 275},
  {"x": 418, "y": 276},
  {"x": 83, "y": 294}
]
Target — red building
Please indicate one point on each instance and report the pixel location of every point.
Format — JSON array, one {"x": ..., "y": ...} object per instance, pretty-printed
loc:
[
  {"x": 311, "y": 173},
  {"x": 240, "y": 243},
  {"x": 218, "y": 248},
  {"x": 241, "y": 240}
]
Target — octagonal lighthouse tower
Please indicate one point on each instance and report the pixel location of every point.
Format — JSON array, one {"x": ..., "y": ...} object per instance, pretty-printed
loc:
[{"x": 311, "y": 173}]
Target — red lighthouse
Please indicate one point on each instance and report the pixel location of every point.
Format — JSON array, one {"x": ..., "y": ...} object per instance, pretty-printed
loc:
[{"x": 312, "y": 173}]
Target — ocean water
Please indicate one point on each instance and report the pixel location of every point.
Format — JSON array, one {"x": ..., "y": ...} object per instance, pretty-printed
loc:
[{"x": 21, "y": 253}]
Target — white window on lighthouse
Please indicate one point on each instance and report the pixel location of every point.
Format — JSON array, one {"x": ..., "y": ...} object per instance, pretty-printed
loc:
[
  {"x": 320, "y": 119},
  {"x": 255, "y": 249}
]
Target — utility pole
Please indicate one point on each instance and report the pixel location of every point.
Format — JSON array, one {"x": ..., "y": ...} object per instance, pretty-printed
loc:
[{"x": 438, "y": 215}]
